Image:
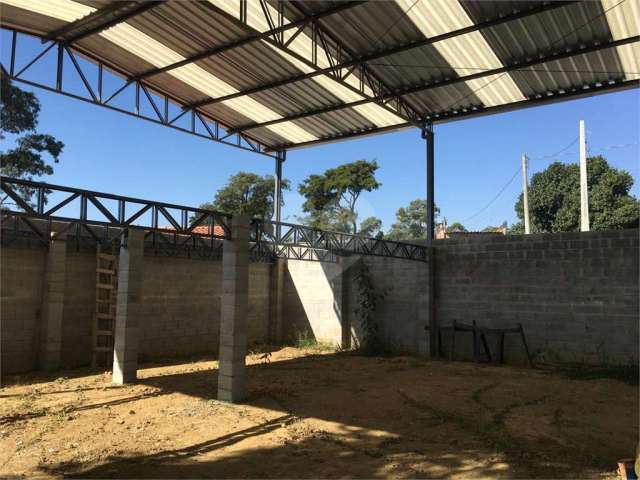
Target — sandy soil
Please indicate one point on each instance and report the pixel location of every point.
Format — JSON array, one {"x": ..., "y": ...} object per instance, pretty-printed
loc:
[{"x": 319, "y": 414}]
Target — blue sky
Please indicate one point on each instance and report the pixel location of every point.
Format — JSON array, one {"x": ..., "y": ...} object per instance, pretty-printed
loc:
[{"x": 112, "y": 152}]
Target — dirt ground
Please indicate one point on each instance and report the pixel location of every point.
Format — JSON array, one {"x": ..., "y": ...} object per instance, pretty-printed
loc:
[{"x": 319, "y": 414}]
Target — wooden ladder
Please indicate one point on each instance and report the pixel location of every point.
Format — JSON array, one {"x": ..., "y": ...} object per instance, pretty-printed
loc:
[{"x": 105, "y": 312}]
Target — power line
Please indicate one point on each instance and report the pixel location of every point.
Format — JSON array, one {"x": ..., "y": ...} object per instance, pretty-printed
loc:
[
  {"x": 506, "y": 185},
  {"x": 614, "y": 147},
  {"x": 558, "y": 153},
  {"x": 510, "y": 181},
  {"x": 561, "y": 152},
  {"x": 506, "y": 73}
]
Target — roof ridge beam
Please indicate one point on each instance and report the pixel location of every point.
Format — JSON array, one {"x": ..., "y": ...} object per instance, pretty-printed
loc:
[
  {"x": 312, "y": 64},
  {"x": 450, "y": 81},
  {"x": 100, "y": 20},
  {"x": 361, "y": 60},
  {"x": 375, "y": 83},
  {"x": 576, "y": 92},
  {"x": 212, "y": 52}
]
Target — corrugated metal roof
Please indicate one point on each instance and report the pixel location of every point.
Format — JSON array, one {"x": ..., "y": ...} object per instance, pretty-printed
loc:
[{"x": 407, "y": 86}]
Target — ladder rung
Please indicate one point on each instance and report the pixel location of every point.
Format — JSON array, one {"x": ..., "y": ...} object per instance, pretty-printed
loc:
[
  {"x": 106, "y": 271},
  {"x": 105, "y": 307}
]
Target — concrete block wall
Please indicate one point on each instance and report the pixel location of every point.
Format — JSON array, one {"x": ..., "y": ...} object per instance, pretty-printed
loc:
[
  {"x": 319, "y": 301},
  {"x": 21, "y": 281},
  {"x": 576, "y": 294},
  {"x": 403, "y": 313},
  {"x": 312, "y": 301},
  {"x": 79, "y": 305},
  {"x": 180, "y": 298}
]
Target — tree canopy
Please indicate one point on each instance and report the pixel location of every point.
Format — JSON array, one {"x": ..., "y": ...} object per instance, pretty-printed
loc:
[
  {"x": 371, "y": 227},
  {"x": 554, "y": 198},
  {"x": 411, "y": 221},
  {"x": 331, "y": 198},
  {"x": 456, "y": 227},
  {"x": 19, "y": 112},
  {"x": 246, "y": 193}
]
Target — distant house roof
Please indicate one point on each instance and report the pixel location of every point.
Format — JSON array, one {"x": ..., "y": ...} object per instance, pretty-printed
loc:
[
  {"x": 441, "y": 232},
  {"x": 218, "y": 231}
]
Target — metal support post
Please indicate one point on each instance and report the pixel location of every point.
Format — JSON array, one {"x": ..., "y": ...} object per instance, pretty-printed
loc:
[
  {"x": 427, "y": 134},
  {"x": 281, "y": 156}
]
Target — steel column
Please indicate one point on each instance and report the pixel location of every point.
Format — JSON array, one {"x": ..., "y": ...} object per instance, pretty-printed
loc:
[
  {"x": 281, "y": 156},
  {"x": 427, "y": 134}
]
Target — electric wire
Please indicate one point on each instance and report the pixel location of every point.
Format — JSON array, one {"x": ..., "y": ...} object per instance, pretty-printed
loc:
[
  {"x": 510, "y": 181},
  {"x": 563, "y": 37},
  {"x": 543, "y": 157}
]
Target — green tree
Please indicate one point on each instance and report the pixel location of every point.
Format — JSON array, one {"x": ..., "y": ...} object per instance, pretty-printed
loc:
[
  {"x": 456, "y": 227},
  {"x": 246, "y": 193},
  {"x": 371, "y": 227},
  {"x": 330, "y": 198},
  {"x": 19, "y": 112},
  {"x": 554, "y": 198},
  {"x": 411, "y": 221}
]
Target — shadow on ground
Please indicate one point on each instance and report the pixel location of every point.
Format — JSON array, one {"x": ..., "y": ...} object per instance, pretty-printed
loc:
[{"x": 343, "y": 415}]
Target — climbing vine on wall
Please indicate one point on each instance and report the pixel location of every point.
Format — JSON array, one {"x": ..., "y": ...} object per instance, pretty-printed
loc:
[{"x": 368, "y": 298}]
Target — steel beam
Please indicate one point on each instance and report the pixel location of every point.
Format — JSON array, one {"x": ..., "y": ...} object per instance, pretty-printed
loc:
[
  {"x": 582, "y": 91},
  {"x": 277, "y": 194},
  {"x": 274, "y": 32},
  {"x": 361, "y": 61},
  {"x": 428, "y": 135},
  {"x": 211, "y": 127},
  {"x": 520, "y": 65},
  {"x": 336, "y": 75},
  {"x": 99, "y": 20},
  {"x": 376, "y": 84}
]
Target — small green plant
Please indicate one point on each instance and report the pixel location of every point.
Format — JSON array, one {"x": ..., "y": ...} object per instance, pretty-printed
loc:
[
  {"x": 303, "y": 339},
  {"x": 367, "y": 298}
]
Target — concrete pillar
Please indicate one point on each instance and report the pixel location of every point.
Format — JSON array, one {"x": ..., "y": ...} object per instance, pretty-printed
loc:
[
  {"x": 128, "y": 308},
  {"x": 233, "y": 320},
  {"x": 348, "y": 266},
  {"x": 276, "y": 299},
  {"x": 52, "y": 306}
]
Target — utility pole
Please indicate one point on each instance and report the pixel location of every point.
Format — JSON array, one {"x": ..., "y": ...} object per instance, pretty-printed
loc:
[
  {"x": 525, "y": 194},
  {"x": 584, "y": 191}
]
